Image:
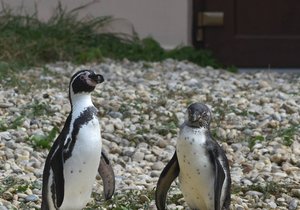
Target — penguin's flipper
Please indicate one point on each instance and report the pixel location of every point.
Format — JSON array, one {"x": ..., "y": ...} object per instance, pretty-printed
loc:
[
  {"x": 168, "y": 175},
  {"x": 219, "y": 177},
  {"x": 107, "y": 174},
  {"x": 57, "y": 163}
]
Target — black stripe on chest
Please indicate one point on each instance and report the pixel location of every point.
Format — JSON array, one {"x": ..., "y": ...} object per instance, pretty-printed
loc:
[{"x": 84, "y": 118}]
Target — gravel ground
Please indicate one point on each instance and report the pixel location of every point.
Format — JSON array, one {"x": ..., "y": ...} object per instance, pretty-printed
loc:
[{"x": 255, "y": 118}]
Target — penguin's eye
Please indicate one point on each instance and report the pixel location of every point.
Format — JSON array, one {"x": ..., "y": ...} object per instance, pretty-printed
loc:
[{"x": 81, "y": 77}]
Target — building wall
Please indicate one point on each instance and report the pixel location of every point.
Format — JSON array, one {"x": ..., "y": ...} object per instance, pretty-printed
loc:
[{"x": 168, "y": 21}]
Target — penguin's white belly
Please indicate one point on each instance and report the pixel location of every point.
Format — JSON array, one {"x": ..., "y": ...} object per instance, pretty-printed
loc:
[
  {"x": 196, "y": 175},
  {"x": 81, "y": 168}
]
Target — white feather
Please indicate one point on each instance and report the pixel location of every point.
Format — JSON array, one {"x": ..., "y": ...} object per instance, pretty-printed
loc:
[
  {"x": 196, "y": 175},
  {"x": 81, "y": 168}
]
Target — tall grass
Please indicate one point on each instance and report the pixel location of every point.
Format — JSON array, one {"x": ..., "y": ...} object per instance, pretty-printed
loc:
[{"x": 27, "y": 41}]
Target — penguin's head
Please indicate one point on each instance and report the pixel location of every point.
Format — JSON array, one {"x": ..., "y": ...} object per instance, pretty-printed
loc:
[
  {"x": 198, "y": 115},
  {"x": 84, "y": 81}
]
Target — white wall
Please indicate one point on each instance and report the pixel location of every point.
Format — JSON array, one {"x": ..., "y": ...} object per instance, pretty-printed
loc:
[{"x": 168, "y": 21}]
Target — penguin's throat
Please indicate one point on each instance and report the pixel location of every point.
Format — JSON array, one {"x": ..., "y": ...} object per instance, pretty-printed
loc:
[
  {"x": 189, "y": 130},
  {"x": 81, "y": 101},
  {"x": 197, "y": 124}
]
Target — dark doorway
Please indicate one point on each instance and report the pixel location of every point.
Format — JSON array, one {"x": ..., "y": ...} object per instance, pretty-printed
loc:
[{"x": 249, "y": 33}]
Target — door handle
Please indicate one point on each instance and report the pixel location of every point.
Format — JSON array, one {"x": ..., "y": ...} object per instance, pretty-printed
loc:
[{"x": 210, "y": 19}]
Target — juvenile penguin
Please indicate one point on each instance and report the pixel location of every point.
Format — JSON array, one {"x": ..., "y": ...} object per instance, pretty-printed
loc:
[
  {"x": 76, "y": 155},
  {"x": 200, "y": 163}
]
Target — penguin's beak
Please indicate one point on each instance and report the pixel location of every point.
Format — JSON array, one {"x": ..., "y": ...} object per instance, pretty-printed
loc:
[
  {"x": 98, "y": 78},
  {"x": 195, "y": 116}
]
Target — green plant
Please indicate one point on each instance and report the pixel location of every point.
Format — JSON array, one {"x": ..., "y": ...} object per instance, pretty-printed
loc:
[
  {"x": 17, "y": 184},
  {"x": 127, "y": 200},
  {"x": 26, "y": 41},
  {"x": 175, "y": 198},
  {"x": 22, "y": 188},
  {"x": 268, "y": 188},
  {"x": 44, "y": 141},
  {"x": 170, "y": 127},
  {"x": 17, "y": 122},
  {"x": 13, "y": 124},
  {"x": 253, "y": 140},
  {"x": 200, "y": 57},
  {"x": 3, "y": 126},
  {"x": 288, "y": 133},
  {"x": 38, "y": 108}
]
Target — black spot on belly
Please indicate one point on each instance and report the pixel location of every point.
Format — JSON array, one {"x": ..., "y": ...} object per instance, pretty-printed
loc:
[
  {"x": 189, "y": 162},
  {"x": 205, "y": 166},
  {"x": 71, "y": 171},
  {"x": 84, "y": 163},
  {"x": 80, "y": 171}
]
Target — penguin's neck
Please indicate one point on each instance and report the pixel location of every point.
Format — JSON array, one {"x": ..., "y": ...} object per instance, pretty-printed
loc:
[
  {"x": 199, "y": 130},
  {"x": 79, "y": 103}
]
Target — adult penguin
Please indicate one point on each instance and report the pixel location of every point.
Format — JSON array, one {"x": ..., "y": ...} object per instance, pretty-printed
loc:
[
  {"x": 76, "y": 155},
  {"x": 200, "y": 163}
]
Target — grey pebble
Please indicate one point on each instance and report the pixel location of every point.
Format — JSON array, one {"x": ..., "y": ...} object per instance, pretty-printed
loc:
[
  {"x": 31, "y": 198},
  {"x": 115, "y": 114},
  {"x": 142, "y": 97},
  {"x": 293, "y": 204},
  {"x": 5, "y": 135},
  {"x": 155, "y": 173},
  {"x": 138, "y": 156},
  {"x": 254, "y": 193},
  {"x": 158, "y": 165},
  {"x": 3, "y": 207}
]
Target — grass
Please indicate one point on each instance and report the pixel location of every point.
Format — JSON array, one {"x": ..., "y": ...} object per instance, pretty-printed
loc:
[
  {"x": 14, "y": 185},
  {"x": 13, "y": 124},
  {"x": 170, "y": 127},
  {"x": 25, "y": 41},
  {"x": 253, "y": 140},
  {"x": 287, "y": 134},
  {"x": 38, "y": 108},
  {"x": 127, "y": 200},
  {"x": 131, "y": 200},
  {"x": 44, "y": 141},
  {"x": 268, "y": 188}
]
